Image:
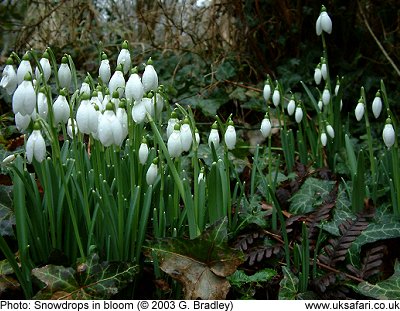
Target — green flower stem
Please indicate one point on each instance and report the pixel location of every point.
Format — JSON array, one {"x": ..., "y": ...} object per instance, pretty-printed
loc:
[{"x": 396, "y": 180}]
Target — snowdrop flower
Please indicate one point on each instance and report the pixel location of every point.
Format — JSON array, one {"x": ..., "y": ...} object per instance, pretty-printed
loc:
[
  {"x": 152, "y": 172},
  {"x": 45, "y": 64},
  {"x": 186, "y": 135},
  {"x": 42, "y": 105},
  {"x": 230, "y": 136},
  {"x": 326, "y": 96},
  {"x": 337, "y": 86},
  {"x": 388, "y": 134},
  {"x": 213, "y": 138},
  {"x": 124, "y": 57},
  {"x": 318, "y": 74},
  {"x": 64, "y": 74},
  {"x": 201, "y": 176},
  {"x": 150, "y": 77},
  {"x": 330, "y": 130},
  {"x": 323, "y": 23},
  {"x": 106, "y": 98},
  {"x": 149, "y": 105},
  {"x": 359, "y": 112},
  {"x": 9, "y": 159},
  {"x": 171, "y": 123},
  {"x": 159, "y": 104},
  {"x": 115, "y": 99},
  {"x": 377, "y": 105},
  {"x": 324, "y": 139},
  {"x": 122, "y": 117},
  {"x": 61, "y": 108},
  {"x": 267, "y": 91},
  {"x": 22, "y": 122},
  {"x": 9, "y": 79},
  {"x": 24, "y": 98},
  {"x": 298, "y": 115},
  {"x": 174, "y": 143},
  {"x": 276, "y": 97},
  {"x": 35, "y": 145},
  {"x": 341, "y": 105},
  {"x": 86, "y": 116},
  {"x": 197, "y": 136},
  {"x": 109, "y": 128},
  {"x": 117, "y": 82},
  {"x": 320, "y": 104},
  {"x": 95, "y": 100},
  {"x": 139, "y": 112},
  {"x": 71, "y": 129},
  {"x": 24, "y": 68},
  {"x": 143, "y": 152},
  {"x": 324, "y": 69},
  {"x": 291, "y": 106},
  {"x": 134, "y": 88},
  {"x": 266, "y": 128},
  {"x": 104, "y": 69},
  {"x": 85, "y": 87}
]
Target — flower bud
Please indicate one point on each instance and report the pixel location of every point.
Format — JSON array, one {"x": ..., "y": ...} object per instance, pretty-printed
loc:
[
  {"x": 143, "y": 152},
  {"x": 318, "y": 74},
  {"x": 124, "y": 57},
  {"x": 22, "y": 122},
  {"x": 171, "y": 123},
  {"x": 117, "y": 82},
  {"x": 45, "y": 64},
  {"x": 324, "y": 139},
  {"x": 134, "y": 88},
  {"x": 105, "y": 69},
  {"x": 276, "y": 97},
  {"x": 150, "y": 77},
  {"x": 388, "y": 134},
  {"x": 24, "y": 98},
  {"x": 213, "y": 138},
  {"x": 64, "y": 74},
  {"x": 230, "y": 136},
  {"x": 330, "y": 130},
  {"x": 359, "y": 112},
  {"x": 152, "y": 172},
  {"x": 377, "y": 105},
  {"x": 9, "y": 79},
  {"x": 291, "y": 106},
  {"x": 267, "y": 91},
  {"x": 174, "y": 143},
  {"x": 186, "y": 135},
  {"x": 24, "y": 68},
  {"x": 266, "y": 128},
  {"x": 61, "y": 108},
  {"x": 326, "y": 96},
  {"x": 298, "y": 115}
]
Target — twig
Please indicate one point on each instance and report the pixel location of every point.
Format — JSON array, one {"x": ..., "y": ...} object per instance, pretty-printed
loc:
[{"x": 377, "y": 41}]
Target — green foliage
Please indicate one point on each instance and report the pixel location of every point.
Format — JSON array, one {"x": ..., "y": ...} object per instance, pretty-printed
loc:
[
  {"x": 385, "y": 290},
  {"x": 91, "y": 279},
  {"x": 289, "y": 285}
]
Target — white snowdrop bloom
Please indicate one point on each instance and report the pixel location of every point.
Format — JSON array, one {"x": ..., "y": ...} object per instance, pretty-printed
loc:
[
  {"x": 71, "y": 130},
  {"x": 42, "y": 106},
  {"x": 86, "y": 116},
  {"x": 9, "y": 159},
  {"x": 24, "y": 68},
  {"x": 117, "y": 82},
  {"x": 186, "y": 135},
  {"x": 143, "y": 152},
  {"x": 150, "y": 77},
  {"x": 45, "y": 63},
  {"x": 324, "y": 22},
  {"x": 64, "y": 74},
  {"x": 291, "y": 106},
  {"x": 22, "y": 122},
  {"x": 377, "y": 105},
  {"x": 330, "y": 130},
  {"x": 214, "y": 136},
  {"x": 197, "y": 136},
  {"x": 326, "y": 96},
  {"x": 159, "y": 104},
  {"x": 267, "y": 91},
  {"x": 95, "y": 100},
  {"x": 61, "y": 109},
  {"x": 298, "y": 115},
  {"x": 201, "y": 176},
  {"x": 174, "y": 143},
  {"x": 139, "y": 112},
  {"x": 122, "y": 116},
  {"x": 337, "y": 86},
  {"x": 115, "y": 99},
  {"x": 152, "y": 173},
  {"x": 359, "y": 112},
  {"x": 9, "y": 77},
  {"x": 171, "y": 123},
  {"x": 134, "y": 89},
  {"x": 24, "y": 98},
  {"x": 324, "y": 70},
  {"x": 324, "y": 139},
  {"x": 104, "y": 69},
  {"x": 35, "y": 145},
  {"x": 266, "y": 127},
  {"x": 276, "y": 97},
  {"x": 109, "y": 128},
  {"x": 388, "y": 134},
  {"x": 106, "y": 99},
  {"x": 230, "y": 136},
  {"x": 85, "y": 87},
  {"x": 320, "y": 104},
  {"x": 149, "y": 105},
  {"x": 124, "y": 57},
  {"x": 318, "y": 74},
  {"x": 341, "y": 105}
]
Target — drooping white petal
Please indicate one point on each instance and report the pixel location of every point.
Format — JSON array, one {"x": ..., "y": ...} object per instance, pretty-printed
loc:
[
  {"x": 35, "y": 147},
  {"x": 150, "y": 78},
  {"x": 122, "y": 117},
  {"x": 324, "y": 71},
  {"x": 23, "y": 68},
  {"x": 139, "y": 112},
  {"x": 291, "y": 107},
  {"x": 267, "y": 92},
  {"x": 86, "y": 117},
  {"x": 388, "y": 135},
  {"x": 326, "y": 22},
  {"x": 298, "y": 115},
  {"x": 72, "y": 129},
  {"x": 330, "y": 131},
  {"x": 151, "y": 174},
  {"x": 143, "y": 153},
  {"x": 377, "y": 106},
  {"x": 171, "y": 125},
  {"x": 64, "y": 76},
  {"x": 230, "y": 137},
  {"x": 61, "y": 110},
  {"x": 276, "y": 97},
  {"x": 105, "y": 71},
  {"x": 359, "y": 112},
  {"x": 124, "y": 58},
  {"x": 174, "y": 144},
  {"x": 326, "y": 96},
  {"x": 24, "y": 98},
  {"x": 22, "y": 122},
  {"x": 324, "y": 139},
  {"x": 117, "y": 83},
  {"x": 134, "y": 88},
  {"x": 9, "y": 79},
  {"x": 214, "y": 138},
  {"x": 45, "y": 63},
  {"x": 266, "y": 127},
  {"x": 317, "y": 75},
  {"x": 186, "y": 137}
]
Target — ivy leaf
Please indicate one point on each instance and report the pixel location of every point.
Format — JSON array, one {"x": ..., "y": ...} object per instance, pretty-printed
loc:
[
  {"x": 387, "y": 289},
  {"x": 225, "y": 71},
  {"x": 7, "y": 217},
  {"x": 201, "y": 264},
  {"x": 373, "y": 233},
  {"x": 7, "y": 282},
  {"x": 239, "y": 278},
  {"x": 289, "y": 285},
  {"x": 90, "y": 280},
  {"x": 311, "y": 194}
]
